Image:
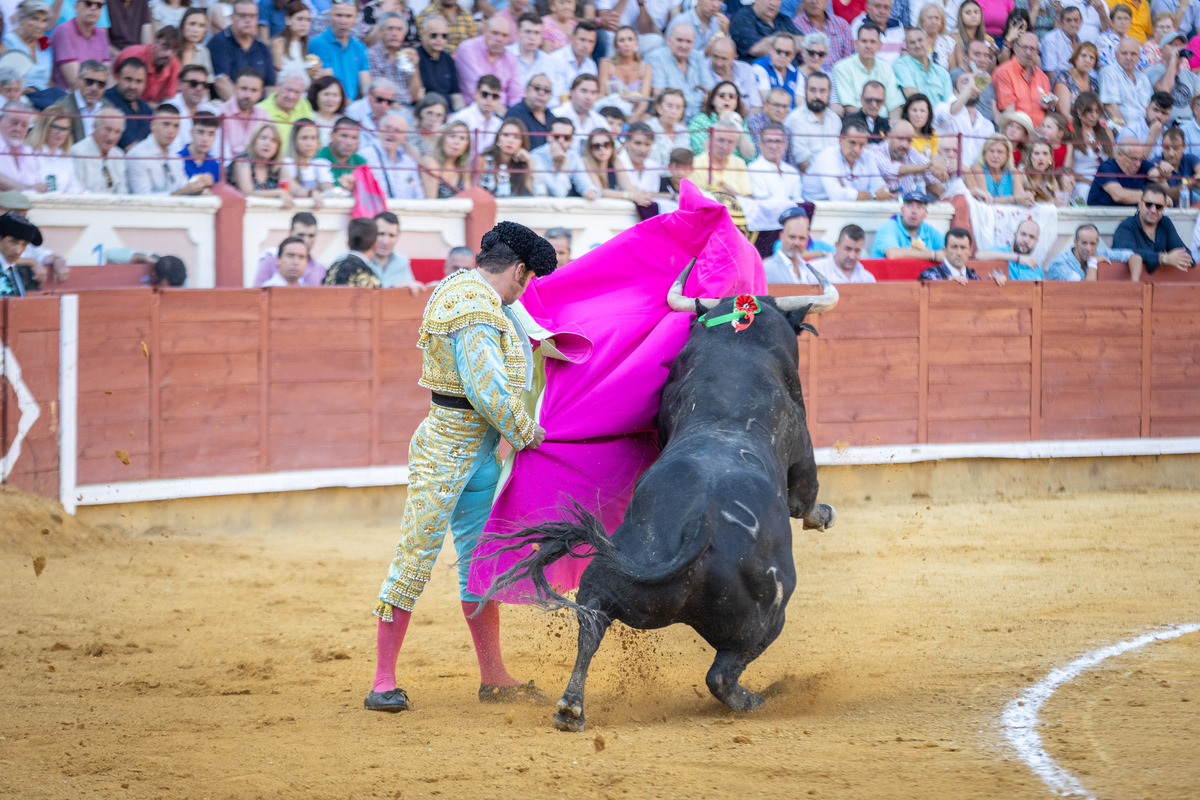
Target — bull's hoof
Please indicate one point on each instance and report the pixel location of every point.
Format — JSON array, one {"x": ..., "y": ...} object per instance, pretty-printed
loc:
[
  {"x": 569, "y": 718},
  {"x": 821, "y": 517}
]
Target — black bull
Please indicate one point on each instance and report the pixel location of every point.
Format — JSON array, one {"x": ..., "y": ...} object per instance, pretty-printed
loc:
[{"x": 706, "y": 539}]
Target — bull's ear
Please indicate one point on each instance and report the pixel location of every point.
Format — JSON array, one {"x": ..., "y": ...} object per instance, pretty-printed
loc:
[{"x": 796, "y": 320}]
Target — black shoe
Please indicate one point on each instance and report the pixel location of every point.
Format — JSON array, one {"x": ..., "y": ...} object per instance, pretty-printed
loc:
[
  {"x": 521, "y": 693},
  {"x": 391, "y": 702}
]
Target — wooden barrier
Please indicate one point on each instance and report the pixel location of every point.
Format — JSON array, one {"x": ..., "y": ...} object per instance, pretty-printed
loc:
[
  {"x": 30, "y": 332},
  {"x": 183, "y": 384}
]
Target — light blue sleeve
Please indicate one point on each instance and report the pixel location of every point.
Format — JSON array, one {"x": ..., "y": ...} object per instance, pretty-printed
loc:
[
  {"x": 887, "y": 236},
  {"x": 1063, "y": 268},
  {"x": 480, "y": 361}
]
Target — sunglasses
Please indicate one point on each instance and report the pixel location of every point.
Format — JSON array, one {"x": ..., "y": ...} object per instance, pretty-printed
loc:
[
  {"x": 390, "y": 102},
  {"x": 486, "y": 95},
  {"x": 192, "y": 82},
  {"x": 94, "y": 82},
  {"x": 61, "y": 128},
  {"x": 788, "y": 53},
  {"x": 1154, "y": 206},
  {"x": 600, "y": 145},
  {"x": 872, "y": 100},
  {"x": 540, "y": 89},
  {"x": 815, "y": 53},
  {"x": 560, "y": 137},
  {"x": 438, "y": 35},
  {"x": 92, "y": 4}
]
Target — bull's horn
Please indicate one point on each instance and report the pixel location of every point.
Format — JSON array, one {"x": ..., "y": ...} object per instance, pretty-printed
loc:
[
  {"x": 820, "y": 303},
  {"x": 676, "y": 299}
]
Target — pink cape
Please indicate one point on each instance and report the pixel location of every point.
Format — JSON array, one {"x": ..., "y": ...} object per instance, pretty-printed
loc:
[{"x": 599, "y": 413}]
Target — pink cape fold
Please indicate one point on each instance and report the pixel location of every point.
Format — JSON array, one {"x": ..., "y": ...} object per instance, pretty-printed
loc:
[{"x": 599, "y": 413}]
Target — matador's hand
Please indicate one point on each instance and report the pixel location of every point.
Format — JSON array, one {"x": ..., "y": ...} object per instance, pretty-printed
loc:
[{"x": 539, "y": 436}]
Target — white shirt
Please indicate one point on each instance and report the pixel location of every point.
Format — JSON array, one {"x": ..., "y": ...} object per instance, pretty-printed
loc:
[
  {"x": 975, "y": 132},
  {"x": 583, "y": 126},
  {"x": 563, "y": 70},
  {"x": 891, "y": 42},
  {"x": 151, "y": 170},
  {"x": 184, "y": 137},
  {"x": 483, "y": 131},
  {"x": 58, "y": 169},
  {"x": 647, "y": 179},
  {"x": 779, "y": 181},
  {"x": 829, "y": 268},
  {"x": 360, "y": 112},
  {"x": 658, "y": 10},
  {"x": 20, "y": 163},
  {"x": 780, "y": 269},
  {"x": 400, "y": 179},
  {"x": 812, "y": 135},
  {"x": 540, "y": 65},
  {"x": 87, "y": 113},
  {"x": 831, "y": 177},
  {"x": 1089, "y": 31},
  {"x": 91, "y": 170},
  {"x": 1056, "y": 52}
]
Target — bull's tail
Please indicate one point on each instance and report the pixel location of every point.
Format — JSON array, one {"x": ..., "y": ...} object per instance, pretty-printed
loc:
[{"x": 580, "y": 536}]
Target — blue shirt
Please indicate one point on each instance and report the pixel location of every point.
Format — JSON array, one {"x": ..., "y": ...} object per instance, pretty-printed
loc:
[
  {"x": 892, "y": 233},
  {"x": 135, "y": 129},
  {"x": 229, "y": 58},
  {"x": 346, "y": 62},
  {"x": 210, "y": 165},
  {"x": 746, "y": 29},
  {"x": 1111, "y": 171},
  {"x": 1020, "y": 272},
  {"x": 274, "y": 18},
  {"x": 789, "y": 78}
]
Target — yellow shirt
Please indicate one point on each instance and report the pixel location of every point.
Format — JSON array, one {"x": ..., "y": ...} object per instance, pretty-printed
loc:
[
  {"x": 734, "y": 174},
  {"x": 926, "y": 145},
  {"x": 1142, "y": 27}
]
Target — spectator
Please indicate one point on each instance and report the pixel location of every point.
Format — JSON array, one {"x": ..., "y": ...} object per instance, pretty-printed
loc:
[
  {"x": 981, "y": 63},
  {"x": 851, "y": 75},
  {"x": 775, "y": 110},
  {"x": 128, "y": 21},
  {"x": 1173, "y": 168},
  {"x": 16, "y": 233},
  {"x": 154, "y": 168},
  {"x": 776, "y": 70},
  {"x": 462, "y": 258},
  {"x": 750, "y": 27},
  {"x": 259, "y": 171},
  {"x": 391, "y": 60},
  {"x": 954, "y": 265},
  {"x": 601, "y": 176},
  {"x": 615, "y": 119},
  {"x": 844, "y": 265},
  {"x": 1042, "y": 183},
  {"x": 309, "y": 175},
  {"x": 235, "y": 50},
  {"x": 648, "y": 18},
  {"x": 487, "y": 55},
  {"x": 1121, "y": 18},
  {"x": 1149, "y": 126},
  {"x": 78, "y": 40},
  {"x": 503, "y": 167},
  {"x": 555, "y": 164},
  {"x": 345, "y": 54},
  {"x": 328, "y": 101},
  {"x": 459, "y": 24},
  {"x": 1095, "y": 17},
  {"x": 560, "y": 240},
  {"x": 304, "y": 228},
  {"x": 795, "y": 246},
  {"x": 1058, "y": 46},
  {"x": 240, "y": 114},
  {"x": 20, "y": 169},
  {"x": 902, "y": 168},
  {"x": 12, "y": 87},
  {"x": 1141, "y": 27},
  {"x": 1055, "y": 129},
  {"x": 51, "y": 142},
  {"x": 289, "y": 48},
  {"x": 342, "y": 152},
  {"x": 1020, "y": 83},
  {"x": 168, "y": 271},
  {"x": 126, "y": 97},
  {"x": 814, "y": 17},
  {"x": 917, "y": 74},
  {"x": 1124, "y": 90},
  {"x": 435, "y": 66},
  {"x": 907, "y": 234},
  {"x": 872, "y": 117},
  {"x": 1119, "y": 181},
  {"x": 99, "y": 162},
  {"x": 395, "y": 170},
  {"x": 1185, "y": 15},
  {"x": 578, "y": 108},
  {"x": 1019, "y": 130},
  {"x": 1080, "y": 261},
  {"x": 628, "y": 78},
  {"x": 191, "y": 100},
  {"x": 724, "y": 104},
  {"x": 1015, "y": 25},
  {"x": 991, "y": 178},
  {"x": 918, "y": 111},
  {"x": 667, "y": 125},
  {"x": 677, "y": 66},
  {"x": 1022, "y": 265},
  {"x": 162, "y": 67},
  {"x": 813, "y": 125},
  {"x": 33, "y": 20},
  {"x": 932, "y": 20},
  {"x": 531, "y": 58},
  {"x": 391, "y": 268},
  {"x": 196, "y": 154},
  {"x": 719, "y": 167},
  {"x": 644, "y": 173},
  {"x": 287, "y": 103},
  {"x": 193, "y": 30},
  {"x": 1079, "y": 76},
  {"x": 431, "y": 118},
  {"x": 1173, "y": 77},
  {"x": 446, "y": 172},
  {"x": 1093, "y": 143},
  {"x": 814, "y": 51},
  {"x": 481, "y": 117},
  {"x": 770, "y": 176},
  {"x": 1152, "y": 236},
  {"x": 723, "y": 65},
  {"x": 679, "y": 168},
  {"x": 532, "y": 111},
  {"x": 968, "y": 28},
  {"x": 891, "y": 31},
  {"x": 290, "y": 262},
  {"x": 353, "y": 268},
  {"x": 706, "y": 21},
  {"x": 88, "y": 98},
  {"x": 840, "y": 172},
  {"x": 568, "y": 63},
  {"x": 370, "y": 109}
]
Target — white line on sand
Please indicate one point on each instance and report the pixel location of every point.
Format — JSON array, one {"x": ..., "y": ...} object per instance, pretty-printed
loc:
[{"x": 1020, "y": 718}]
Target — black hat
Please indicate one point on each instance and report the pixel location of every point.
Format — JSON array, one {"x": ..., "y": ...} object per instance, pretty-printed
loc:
[
  {"x": 804, "y": 209},
  {"x": 18, "y": 226},
  {"x": 536, "y": 252}
]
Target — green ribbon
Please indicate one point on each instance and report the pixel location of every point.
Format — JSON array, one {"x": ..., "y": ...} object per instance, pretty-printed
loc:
[{"x": 730, "y": 317}]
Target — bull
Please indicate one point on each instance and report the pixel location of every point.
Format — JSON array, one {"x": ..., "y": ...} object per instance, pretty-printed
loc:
[{"x": 706, "y": 539}]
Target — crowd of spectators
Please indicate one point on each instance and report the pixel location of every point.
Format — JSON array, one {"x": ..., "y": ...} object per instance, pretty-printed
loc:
[{"x": 1004, "y": 101}]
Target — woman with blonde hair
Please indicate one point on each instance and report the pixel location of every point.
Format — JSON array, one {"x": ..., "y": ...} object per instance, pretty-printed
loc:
[
  {"x": 260, "y": 171},
  {"x": 51, "y": 139},
  {"x": 1081, "y": 76},
  {"x": 446, "y": 172},
  {"x": 991, "y": 178},
  {"x": 626, "y": 76},
  {"x": 932, "y": 20}
]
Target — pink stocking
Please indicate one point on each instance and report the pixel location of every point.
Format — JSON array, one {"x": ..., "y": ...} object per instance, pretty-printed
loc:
[
  {"x": 388, "y": 639},
  {"x": 485, "y": 632}
]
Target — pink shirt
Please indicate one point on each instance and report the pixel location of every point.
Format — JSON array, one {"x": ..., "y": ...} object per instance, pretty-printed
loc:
[
  {"x": 473, "y": 63},
  {"x": 236, "y": 129},
  {"x": 995, "y": 14},
  {"x": 71, "y": 45}
]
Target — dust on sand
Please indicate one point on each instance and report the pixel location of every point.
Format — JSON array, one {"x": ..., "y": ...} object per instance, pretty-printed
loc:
[{"x": 210, "y": 665}]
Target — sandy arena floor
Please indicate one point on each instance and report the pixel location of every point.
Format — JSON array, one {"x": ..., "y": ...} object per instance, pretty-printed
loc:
[{"x": 235, "y": 666}]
